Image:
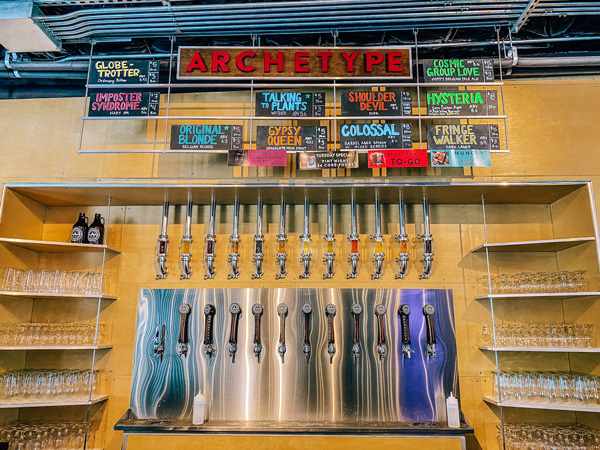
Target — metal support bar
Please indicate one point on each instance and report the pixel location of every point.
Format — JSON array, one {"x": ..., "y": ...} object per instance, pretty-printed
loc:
[{"x": 524, "y": 15}]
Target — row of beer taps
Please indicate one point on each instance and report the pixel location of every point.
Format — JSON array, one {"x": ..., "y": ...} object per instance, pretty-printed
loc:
[
  {"x": 356, "y": 310},
  {"x": 306, "y": 243}
]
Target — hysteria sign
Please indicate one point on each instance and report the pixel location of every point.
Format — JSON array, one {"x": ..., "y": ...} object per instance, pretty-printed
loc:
[{"x": 293, "y": 62}]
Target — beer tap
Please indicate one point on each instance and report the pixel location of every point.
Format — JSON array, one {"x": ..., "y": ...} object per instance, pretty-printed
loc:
[
  {"x": 210, "y": 241},
  {"x": 427, "y": 240},
  {"x": 159, "y": 341},
  {"x": 329, "y": 241},
  {"x": 402, "y": 240},
  {"x": 356, "y": 311},
  {"x": 378, "y": 257},
  {"x": 257, "y": 311},
  {"x": 306, "y": 243},
  {"x": 381, "y": 345},
  {"x": 281, "y": 243},
  {"x": 354, "y": 239},
  {"x": 209, "y": 317},
  {"x": 184, "y": 336},
  {"x": 235, "y": 311},
  {"x": 163, "y": 245},
  {"x": 282, "y": 311},
  {"x": 186, "y": 243},
  {"x": 330, "y": 311},
  {"x": 404, "y": 312},
  {"x": 234, "y": 242},
  {"x": 306, "y": 349},
  {"x": 428, "y": 311},
  {"x": 259, "y": 241}
]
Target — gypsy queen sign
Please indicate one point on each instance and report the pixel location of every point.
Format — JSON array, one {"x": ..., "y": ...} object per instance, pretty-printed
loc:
[{"x": 196, "y": 63}]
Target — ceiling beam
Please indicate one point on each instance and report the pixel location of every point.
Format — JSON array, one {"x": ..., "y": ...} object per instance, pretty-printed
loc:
[{"x": 524, "y": 15}]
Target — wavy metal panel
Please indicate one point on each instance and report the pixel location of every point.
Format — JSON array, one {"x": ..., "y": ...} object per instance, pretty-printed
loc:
[{"x": 367, "y": 390}]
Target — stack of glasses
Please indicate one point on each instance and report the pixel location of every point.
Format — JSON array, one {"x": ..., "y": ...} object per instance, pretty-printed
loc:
[
  {"x": 47, "y": 435},
  {"x": 52, "y": 281},
  {"x": 540, "y": 335},
  {"x": 528, "y": 436},
  {"x": 36, "y": 386},
  {"x": 26, "y": 334},
  {"x": 543, "y": 386},
  {"x": 535, "y": 283}
]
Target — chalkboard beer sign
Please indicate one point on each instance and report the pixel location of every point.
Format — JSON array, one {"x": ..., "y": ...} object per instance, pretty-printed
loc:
[
  {"x": 124, "y": 71},
  {"x": 463, "y": 136},
  {"x": 291, "y": 138},
  {"x": 206, "y": 137},
  {"x": 462, "y": 145},
  {"x": 375, "y": 103},
  {"x": 462, "y": 103},
  {"x": 458, "y": 70},
  {"x": 290, "y": 104},
  {"x": 121, "y": 103},
  {"x": 376, "y": 136}
]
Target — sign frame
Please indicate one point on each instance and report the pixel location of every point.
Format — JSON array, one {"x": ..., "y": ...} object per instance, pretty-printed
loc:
[{"x": 181, "y": 61}]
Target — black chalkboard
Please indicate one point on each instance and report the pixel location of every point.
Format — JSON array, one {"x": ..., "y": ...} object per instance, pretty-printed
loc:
[
  {"x": 291, "y": 138},
  {"x": 462, "y": 103},
  {"x": 375, "y": 103},
  {"x": 458, "y": 70},
  {"x": 376, "y": 136},
  {"x": 107, "y": 103},
  {"x": 290, "y": 104},
  {"x": 206, "y": 137},
  {"x": 463, "y": 137},
  {"x": 124, "y": 71}
]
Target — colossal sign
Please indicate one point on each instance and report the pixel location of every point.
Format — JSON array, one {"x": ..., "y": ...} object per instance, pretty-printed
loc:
[{"x": 293, "y": 62}]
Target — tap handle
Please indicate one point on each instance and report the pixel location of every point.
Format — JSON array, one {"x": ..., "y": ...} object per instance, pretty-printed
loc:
[
  {"x": 156, "y": 340},
  {"x": 306, "y": 310},
  {"x": 184, "y": 311},
  {"x": 209, "y": 313},
  {"x": 380, "y": 312},
  {"x": 404, "y": 312},
  {"x": 282, "y": 311},
  {"x": 235, "y": 311},
  {"x": 356, "y": 311},
  {"x": 331, "y": 311},
  {"x": 428, "y": 311},
  {"x": 257, "y": 311}
]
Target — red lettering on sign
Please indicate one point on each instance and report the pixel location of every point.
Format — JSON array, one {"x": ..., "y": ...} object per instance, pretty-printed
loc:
[
  {"x": 239, "y": 61},
  {"x": 372, "y": 58},
  {"x": 270, "y": 61},
  {"x": 196, "y": 63},
  {"x": 394, "y": 62},
  {"x": 324, "y": 60},
  {"x": 301, "y": 62},
  {"x": 350, "y": 60},
  {"x": 219, "y": 59}
]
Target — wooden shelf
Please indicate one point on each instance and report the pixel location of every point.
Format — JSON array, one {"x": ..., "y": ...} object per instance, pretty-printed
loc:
[
  {"x": 537, "y": 295},
  {"x": 549, "y": 245},
  {"x": 57, "y": 247},
  {"x": 54, "y": 347},
  {"x": 556, "y": 406},
  {"x": 14, "y": 405},
  {"x": 542, "y": 349},
  {"x": 54, "y": 295}
]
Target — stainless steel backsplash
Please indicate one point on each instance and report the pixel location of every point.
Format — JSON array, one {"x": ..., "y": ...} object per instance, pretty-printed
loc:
[{"x": 367, "y": 389}]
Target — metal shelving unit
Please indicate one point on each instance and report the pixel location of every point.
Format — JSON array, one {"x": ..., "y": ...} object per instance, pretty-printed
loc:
[
  {"x": 524, "y": 248},
  {"x": 99, "y": 255},
  {"x": 551, "y": 406},
  {"x": 165, "y": 114},
  {"x": 91, "y": 401}
]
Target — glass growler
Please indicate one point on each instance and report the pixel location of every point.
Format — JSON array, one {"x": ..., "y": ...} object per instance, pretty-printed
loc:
[
  {"x": 80, "y": 229},
  {"x": 95, "y": 233}
]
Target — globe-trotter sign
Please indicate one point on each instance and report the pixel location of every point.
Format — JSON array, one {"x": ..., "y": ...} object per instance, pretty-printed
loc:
[{"x": 198, "y": 63}]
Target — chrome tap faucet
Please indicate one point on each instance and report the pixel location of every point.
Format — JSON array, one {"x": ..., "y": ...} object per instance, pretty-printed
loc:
[
  {"x": 259, "y": 241},
  {"x": 402, "y": 239},
  {"x": 354, "y": 240},
  {"x": 162, "y": 245},
  {"x": 379, "y": 255},
  {"x": 210, "y": 242},
  {"x": 281, "y": 243},
  {"x": 186, "y": 243}
]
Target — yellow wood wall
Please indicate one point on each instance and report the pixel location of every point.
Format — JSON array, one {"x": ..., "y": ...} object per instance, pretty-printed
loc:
[{"x": 552, "y": 129}]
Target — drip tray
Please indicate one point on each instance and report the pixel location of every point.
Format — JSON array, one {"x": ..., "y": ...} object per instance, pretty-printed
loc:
[{"x": 129, "y": 424}]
